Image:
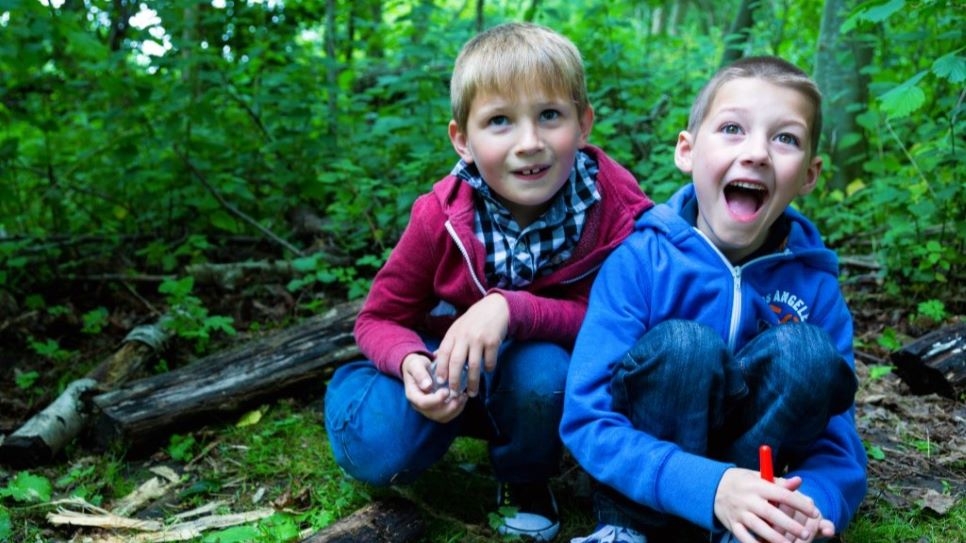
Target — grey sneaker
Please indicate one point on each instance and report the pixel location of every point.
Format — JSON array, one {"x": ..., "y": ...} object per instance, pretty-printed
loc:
[
  {"x": 612, "y": 534},
  {"x": 535, "y": 516}
]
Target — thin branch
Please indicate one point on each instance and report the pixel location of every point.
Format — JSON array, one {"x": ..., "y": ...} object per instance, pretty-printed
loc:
[{"x": 232, "y": 209}]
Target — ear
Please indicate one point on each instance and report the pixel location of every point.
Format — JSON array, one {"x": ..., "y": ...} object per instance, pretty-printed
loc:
[
  {"x": 683, "y": 151},
  {"x": 460, "y": 142},
  {"x": 811, "y": 176},
  {"x": 586, "y": 123}
]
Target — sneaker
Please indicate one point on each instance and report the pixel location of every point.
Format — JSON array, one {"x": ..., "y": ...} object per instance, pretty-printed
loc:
[
  {"x": 536, "y": 513},
  {"x": 609, "y": 533}
]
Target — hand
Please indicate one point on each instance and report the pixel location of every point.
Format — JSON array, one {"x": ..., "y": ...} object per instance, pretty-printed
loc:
[
  {"x": 756, "y": 510},
  {"x": 821, "y": 527},
  {"x": 473, "y": 338},
  {"x": 435, "y": 404}
]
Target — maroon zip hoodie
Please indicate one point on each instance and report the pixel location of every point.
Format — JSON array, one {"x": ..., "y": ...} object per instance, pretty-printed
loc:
[{"x": 435, "y": 272}]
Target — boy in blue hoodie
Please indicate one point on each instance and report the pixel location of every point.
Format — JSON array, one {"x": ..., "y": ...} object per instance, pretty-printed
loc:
[{"x": 716, "y": 327}]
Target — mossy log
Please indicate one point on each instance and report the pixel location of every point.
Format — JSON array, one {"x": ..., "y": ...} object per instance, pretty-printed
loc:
[{"x": 219, "y": 387}]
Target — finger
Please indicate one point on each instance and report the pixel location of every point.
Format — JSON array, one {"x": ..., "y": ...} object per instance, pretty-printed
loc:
[
  {"x": 741, "y": 533},
  {"x": 788, "y": 522},
  {"x": 490, "y": 356},
  {"x": 792, "y": 502},
  {"x": 456, "y": 367},
  {"x": 473, "y": 370},
  {"x": 423, "y": 377}
]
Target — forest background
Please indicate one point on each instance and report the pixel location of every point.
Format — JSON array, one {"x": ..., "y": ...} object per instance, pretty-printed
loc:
[{"x": 140, "y": 140}]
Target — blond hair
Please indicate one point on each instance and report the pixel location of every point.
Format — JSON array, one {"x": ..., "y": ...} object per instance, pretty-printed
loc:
[
  {"x": 517, "y": 58},
  {"x": 768, "y": 68}
]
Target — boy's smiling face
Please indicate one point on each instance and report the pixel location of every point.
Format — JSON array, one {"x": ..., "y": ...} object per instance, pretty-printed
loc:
[
  {"x": 524, "y": 147},
  {"x": 749, "y": 159}
]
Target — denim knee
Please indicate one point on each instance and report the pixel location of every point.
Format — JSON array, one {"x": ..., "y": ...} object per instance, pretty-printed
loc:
[
  {"x": 811, "y": 366},
  {"x": 525, "y": 404},
  {"x": 676, "y": 353},
  {"x": 367, "y": 452}
]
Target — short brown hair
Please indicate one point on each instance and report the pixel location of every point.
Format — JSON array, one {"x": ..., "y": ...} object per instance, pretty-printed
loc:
[
  {"x": 771, "y": 69},
  {"x": 517, "y": 57}
]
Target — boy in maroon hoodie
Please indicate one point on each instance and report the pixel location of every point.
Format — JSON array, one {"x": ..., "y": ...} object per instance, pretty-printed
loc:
[{"x": 468, "y": 327}]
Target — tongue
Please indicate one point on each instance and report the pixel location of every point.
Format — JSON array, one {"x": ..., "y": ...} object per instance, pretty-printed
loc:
[{"x": 742, "y": 203}]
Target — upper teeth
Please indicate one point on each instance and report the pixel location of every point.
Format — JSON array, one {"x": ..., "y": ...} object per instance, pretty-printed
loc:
[{"x": 749, "y": 186}]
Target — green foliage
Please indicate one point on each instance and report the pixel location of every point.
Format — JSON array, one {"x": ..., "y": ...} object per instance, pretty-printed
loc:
[
  {"x": 6, "y": 529},
  {"x": 933, "y": 310},
  {"x": 889, "y": 339},
  {"x": 874, "y": 452},
  {"x": 248, "y": 114},
  {"x": 94, "y": 320},
  {"x": 880, "y": 371},
  {"x": 49, "y": 348},
  {"x": 316, "y": 270},
  {"x": 188, "y": 317},
  {"x": 26, "y": 487},
  {"x": 883, "y": 522},
  {"x": 25, "y": 379},
  {"x": 181, "y": 448}
]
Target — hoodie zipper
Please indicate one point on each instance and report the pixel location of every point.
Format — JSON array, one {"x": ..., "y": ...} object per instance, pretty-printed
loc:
[
  {"x": 466, "y": 256},
  {"x": 736, "y": 284}
]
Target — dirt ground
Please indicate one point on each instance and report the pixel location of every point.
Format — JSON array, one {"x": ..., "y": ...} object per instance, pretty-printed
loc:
[{"x": 917, "y": 443}]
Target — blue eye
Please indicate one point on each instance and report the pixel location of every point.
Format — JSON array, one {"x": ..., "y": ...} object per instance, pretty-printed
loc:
[
  {"x": 788, "y": 139},
  {"x": 731, "y": 128},
  {"x": 499, "y": 120},
  {"x": 549, "y": 115}
]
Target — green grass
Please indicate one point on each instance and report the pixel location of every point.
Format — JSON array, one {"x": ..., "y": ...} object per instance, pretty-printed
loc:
[{"x": 280, "y": 458}]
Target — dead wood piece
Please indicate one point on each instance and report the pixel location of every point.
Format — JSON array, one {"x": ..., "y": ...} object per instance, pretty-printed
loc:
[
  {"x": 222, "y": 385},
  {"x": 391, "y": 520},
  {"x": 935, "y": 363},
  {"x": 42, "y": 437}
]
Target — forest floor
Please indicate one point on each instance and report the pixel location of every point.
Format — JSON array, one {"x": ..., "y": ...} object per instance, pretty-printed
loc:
[{"x": 917, "y": 443}]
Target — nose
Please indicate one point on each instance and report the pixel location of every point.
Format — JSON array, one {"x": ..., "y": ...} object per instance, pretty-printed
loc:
[
  {"x": 755, "y": 151},
  {"x": 530, "y": 140}
]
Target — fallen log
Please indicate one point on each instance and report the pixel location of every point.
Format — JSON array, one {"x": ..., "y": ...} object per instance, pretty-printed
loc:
[
  {"x": 390, "y": 520},
  {"x": 935, "y": 363},
  {"x": 219, "y": 387},
  {"x": 42, "y": 437}
]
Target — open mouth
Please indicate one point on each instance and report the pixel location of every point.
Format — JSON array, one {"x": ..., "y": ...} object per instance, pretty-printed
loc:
[{"x": 744, "y": 198}]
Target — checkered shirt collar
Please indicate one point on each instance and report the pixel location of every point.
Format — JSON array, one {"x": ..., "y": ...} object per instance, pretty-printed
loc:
[{"x": 515, "y": 257}]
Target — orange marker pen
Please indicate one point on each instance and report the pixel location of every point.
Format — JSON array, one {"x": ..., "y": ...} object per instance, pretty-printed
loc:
[{"x": 764, "y": 464}]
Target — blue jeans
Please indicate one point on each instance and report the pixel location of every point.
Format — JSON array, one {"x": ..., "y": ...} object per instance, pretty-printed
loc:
[
  {"x": 378, "y": 438},
  {"x": 680, "y": 383}
]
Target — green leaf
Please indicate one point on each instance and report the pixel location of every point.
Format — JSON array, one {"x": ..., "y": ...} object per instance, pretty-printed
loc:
[
  {"x": 875, "y": 452},
  {"x": 904, "y": 99},
  {"x": 6, "y": 529},
  {"x": 950, "y": 66},
  {"x": 26, "y": 487},
  {"x": 221, "y": 219},
  {"x": 882, "y": 12},
  {"x": 878, "y": 372}
]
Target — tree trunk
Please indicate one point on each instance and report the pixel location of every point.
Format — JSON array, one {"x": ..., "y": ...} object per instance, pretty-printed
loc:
[
  {"x": 221, "y": 386},
  {"x": 838, "y": 61},
  {"x": 737, "y": 36}
]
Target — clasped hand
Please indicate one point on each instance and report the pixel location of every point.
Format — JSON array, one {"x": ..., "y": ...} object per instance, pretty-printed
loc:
[
  {"x": 472, "y": 341},
  {"x": 754, "y": 510}
]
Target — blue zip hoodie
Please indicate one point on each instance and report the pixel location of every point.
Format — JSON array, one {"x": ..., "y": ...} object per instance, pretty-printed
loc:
[{"x": 666, "y": 269}]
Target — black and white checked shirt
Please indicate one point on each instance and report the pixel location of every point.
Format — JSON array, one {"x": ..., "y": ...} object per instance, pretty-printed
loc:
[{"x": 515, "y": 256}]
